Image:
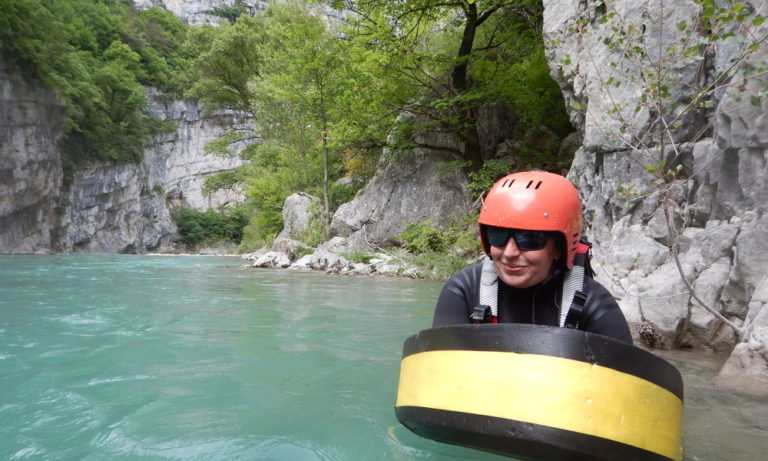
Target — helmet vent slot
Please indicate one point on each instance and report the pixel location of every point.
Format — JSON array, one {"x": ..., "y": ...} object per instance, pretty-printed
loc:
[{"x": 530, "y": 183}]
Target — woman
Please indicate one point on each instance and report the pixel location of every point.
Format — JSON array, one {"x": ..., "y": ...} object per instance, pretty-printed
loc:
[{"x": 530, "y": 229}]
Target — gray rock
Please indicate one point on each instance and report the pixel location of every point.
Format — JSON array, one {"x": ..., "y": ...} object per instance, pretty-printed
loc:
[
  {"x": 291, "y": 248},
  {"x": 299, "y": 211},
  {"x": 337, "y": 244},
  {"x": 720, "y": 210},
  {"x": 273, "y": 260},
  {"x": 106, "y": 208},
  {"x": 409, "y": 190},
  {"x": 199, "y": 12},
  {"x": 31, "y": 173}
]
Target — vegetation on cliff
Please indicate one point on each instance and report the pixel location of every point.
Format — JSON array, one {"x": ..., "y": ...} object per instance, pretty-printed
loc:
[
  {"x": 331, "y": 96},
  {"x": 329, "y": 93},
  {"x": 99, "y": 56}
]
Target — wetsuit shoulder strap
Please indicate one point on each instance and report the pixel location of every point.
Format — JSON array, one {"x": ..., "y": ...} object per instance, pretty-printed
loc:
[
  {"x": 574, "y": 299},
  {"x": 487, "y": 309}
]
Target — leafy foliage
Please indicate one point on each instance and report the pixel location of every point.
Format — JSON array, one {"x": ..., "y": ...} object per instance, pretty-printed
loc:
[
  {"x": 231, "y": 12},
  {"x": 444, "y": 61},
  {"x": 302, "y": 84},
  {"x": 439, "y": 266},
  {"x": 440, "y": 250},
  {"x": 224, "y": 180},
  {"x": 428, "y": 237},
  {"x": 98, "y": 55},
  {"x": 208, "y": 227},
  {"x": 489, "y": 173},
  {"x": 227, "y": 60},
  {"x": 424, "y": 237},
  {"x": 359, "y": 257}
]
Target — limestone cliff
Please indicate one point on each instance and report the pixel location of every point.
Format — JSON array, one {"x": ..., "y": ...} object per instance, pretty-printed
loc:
[
  {"x": 721, "y": 147},
  {"x": 31, "y": 119},
  {"x": 198, "y": 12},
  {"x": 106, "y": 208}
]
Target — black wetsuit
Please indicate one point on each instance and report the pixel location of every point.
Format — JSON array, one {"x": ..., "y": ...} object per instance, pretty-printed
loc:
[{"x": 539, "y": 304}]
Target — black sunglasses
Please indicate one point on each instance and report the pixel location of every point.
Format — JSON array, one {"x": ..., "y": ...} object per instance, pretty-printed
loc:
[{"x": 524, "y": 239}]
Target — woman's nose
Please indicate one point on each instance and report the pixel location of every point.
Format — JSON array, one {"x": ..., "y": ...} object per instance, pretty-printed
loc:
[{"x": 511, "y": 249}]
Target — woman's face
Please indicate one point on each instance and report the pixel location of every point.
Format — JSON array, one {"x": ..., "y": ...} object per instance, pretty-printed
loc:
[{"x": 523, "y": 268}]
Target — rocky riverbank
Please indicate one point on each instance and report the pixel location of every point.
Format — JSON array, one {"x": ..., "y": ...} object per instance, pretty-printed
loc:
[{"x": 286, "y": 253}]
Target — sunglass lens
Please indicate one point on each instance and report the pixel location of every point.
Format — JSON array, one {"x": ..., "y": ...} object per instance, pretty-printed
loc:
[
  {"x": 530, "y": 240},
  {"x": 524, "y": 239},
  {"x": 498, "y": 236}
]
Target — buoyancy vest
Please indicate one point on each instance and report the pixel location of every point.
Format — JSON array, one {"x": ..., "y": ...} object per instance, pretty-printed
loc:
[{"x": 573, "y": 297}]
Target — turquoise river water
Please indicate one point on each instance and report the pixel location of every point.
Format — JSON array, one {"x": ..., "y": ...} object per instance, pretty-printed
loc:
[{"x": 200, "y": 358}]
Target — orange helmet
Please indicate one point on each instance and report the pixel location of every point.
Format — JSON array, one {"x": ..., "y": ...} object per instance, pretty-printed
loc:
[{"x": 534, "y": 200}]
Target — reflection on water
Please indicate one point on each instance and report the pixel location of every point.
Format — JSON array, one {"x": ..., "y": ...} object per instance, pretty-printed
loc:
[{"x": 192, "y": 358}]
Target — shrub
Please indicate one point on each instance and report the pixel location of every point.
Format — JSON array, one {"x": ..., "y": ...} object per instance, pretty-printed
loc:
[
  {"x": 424, "y": 237},
  {"x": 359, "y": 257},
  {"x": 439, "y": 253},
  {"x": 439, "y": 266},
  {"x": 486, "y": 176},
  {"x": 340, "y": 193},
  {"x": 207, "y": 227}
]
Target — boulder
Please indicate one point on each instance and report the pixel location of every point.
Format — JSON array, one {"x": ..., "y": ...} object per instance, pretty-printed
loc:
[
  {"x": 300, "y": 211},
  {"x": 718, "y": 200},
  {"x": 416, "y": 186}
]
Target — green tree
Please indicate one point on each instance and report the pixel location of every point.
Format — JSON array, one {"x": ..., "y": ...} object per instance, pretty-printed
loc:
[
  {"x": 451, "y": 58},
  {"x": 210, "y": 227},
  {"x": 158, "y": 36},
  {"x": 231, "y": 12},
  {"x": 302, "y": 84},
  {"x": 228, "y": 60},
  {"x": 306, "y": 76}
]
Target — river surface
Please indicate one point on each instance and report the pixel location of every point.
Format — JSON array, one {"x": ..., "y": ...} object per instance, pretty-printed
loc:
[{"x": 200, "y": 358}]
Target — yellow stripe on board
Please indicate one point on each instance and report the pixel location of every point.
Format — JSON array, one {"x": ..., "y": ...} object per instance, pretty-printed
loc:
[{"x": 550, "y": 391}]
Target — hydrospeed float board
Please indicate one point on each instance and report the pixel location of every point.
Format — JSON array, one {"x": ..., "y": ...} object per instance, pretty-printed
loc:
[{"x": 540, "y": 393}]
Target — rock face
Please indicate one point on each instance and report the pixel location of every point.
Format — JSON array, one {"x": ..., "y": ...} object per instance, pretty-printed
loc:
[
  {"x": 107, "y": 208},
  {"x": 298, "y": 211},
  {"x": 410, "y": 189},
  {"x": 30, "y": 167},
  {"x": 723, "y": 149},
  {"x": 198, "y": 12}
]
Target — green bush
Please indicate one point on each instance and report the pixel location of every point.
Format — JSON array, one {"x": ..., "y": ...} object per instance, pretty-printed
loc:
[
  {"x": 224, "y": 180},
  {"x": 439, "y": 253},
  {"x": 427, "y": 237},
  {"x": 359, "y": 257},
  {"x": 486, "y": 176},
  {"x": 316, "y": 231},
  {"x": 439, "y": 266},
  {"x": 210, "y": 227},
  {"x": 338, "y": 193},
  {"x": 255, "y": 237},
  {"x": 424, "y": 237}
]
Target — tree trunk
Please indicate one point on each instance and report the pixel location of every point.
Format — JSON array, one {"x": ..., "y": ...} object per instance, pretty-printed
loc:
[
  {"x": 326, "y": 205},
  {"x": 460, "y": 83}
]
